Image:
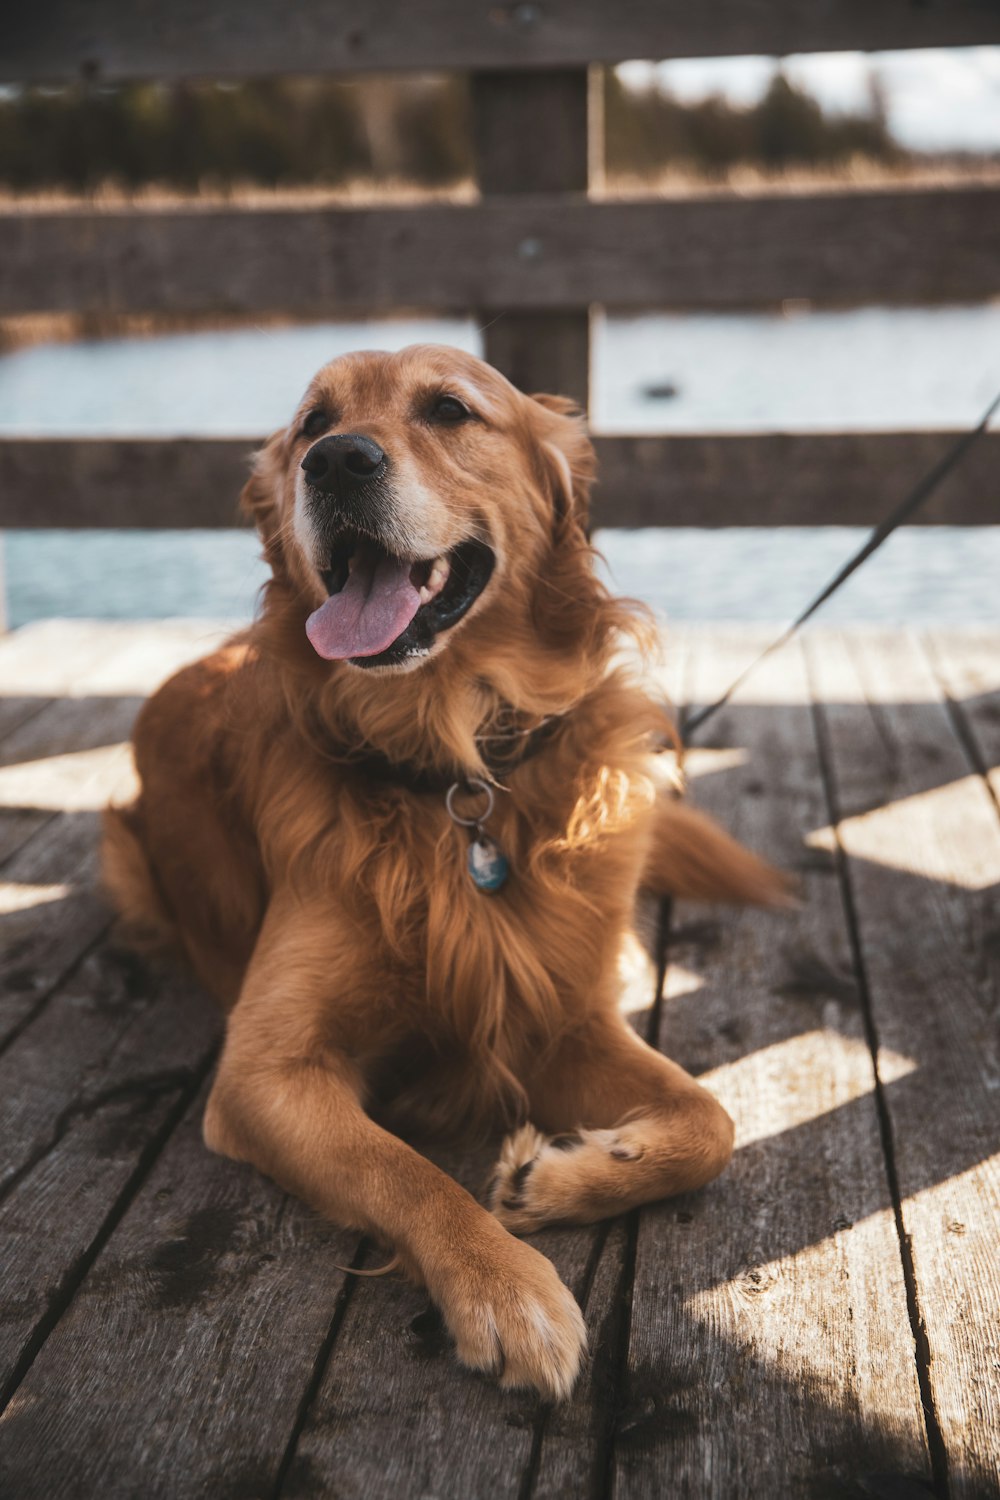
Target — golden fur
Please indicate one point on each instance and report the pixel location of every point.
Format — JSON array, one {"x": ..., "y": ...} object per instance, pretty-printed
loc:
[{"x": 368, "y": 984}]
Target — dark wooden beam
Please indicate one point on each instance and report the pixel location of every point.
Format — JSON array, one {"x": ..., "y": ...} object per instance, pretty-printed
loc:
[
  {"x": 766, "y": 479},
  {"x": 790, "y": 479},
  {"x": 518, "y": 253},
  {"x": 530, "y": 135},
  {"x": 113, "y": 40}
]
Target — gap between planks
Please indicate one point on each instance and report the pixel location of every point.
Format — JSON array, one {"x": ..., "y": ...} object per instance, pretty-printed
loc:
[{"x": 921, "y": 839}]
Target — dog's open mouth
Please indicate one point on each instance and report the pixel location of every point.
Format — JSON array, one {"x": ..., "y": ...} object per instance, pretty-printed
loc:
[{"x": 382, "y": 608}]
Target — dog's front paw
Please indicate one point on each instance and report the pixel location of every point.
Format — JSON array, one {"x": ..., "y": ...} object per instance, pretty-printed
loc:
[
  {"x": 511, "y": 1316},
  {"x": 578, "y": 1177}
]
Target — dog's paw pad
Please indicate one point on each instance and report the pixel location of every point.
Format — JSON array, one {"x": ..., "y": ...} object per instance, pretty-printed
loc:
[{"x": 547, "y": 1179}]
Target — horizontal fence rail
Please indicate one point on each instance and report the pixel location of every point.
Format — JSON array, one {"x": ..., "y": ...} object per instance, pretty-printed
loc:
[
  {"x": 114, "y": 40},
  {"x": 516, "y": 252},
  {"x": 711, "y": 480}
]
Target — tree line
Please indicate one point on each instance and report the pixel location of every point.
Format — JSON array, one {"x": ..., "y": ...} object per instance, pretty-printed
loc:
[{"x": 285, "y": 132}]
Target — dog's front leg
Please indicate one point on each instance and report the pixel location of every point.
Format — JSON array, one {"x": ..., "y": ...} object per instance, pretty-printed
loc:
[{"x": 288, "y": 1098}]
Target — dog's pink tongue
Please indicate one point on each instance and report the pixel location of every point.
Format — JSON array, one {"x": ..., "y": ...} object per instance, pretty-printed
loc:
[{"x": 375, "y": 606}]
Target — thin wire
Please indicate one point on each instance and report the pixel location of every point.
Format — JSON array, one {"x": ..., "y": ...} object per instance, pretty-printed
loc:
[{"x": 913, "y": 501}]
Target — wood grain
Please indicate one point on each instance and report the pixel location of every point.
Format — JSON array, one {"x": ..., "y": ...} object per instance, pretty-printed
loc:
[
  {"x": 112, "y": 41},
  {"x": 86, "y": 1092},
  {"x": 967, "y": 665},
  {"x": 56, "y": 771},
  {"x": 513, "y": 252},
  {"x": 181, "y": 1366},
  {"x": 715, "y": 479},
  {"x": 29, "y": 676},
  {"x": 770, "y": 1350},
  {"x": 39, "y": 667},
  {"x": 511, "y": 114},
  {"x": 790, "y": 479},
  {"x": 922, "y": 840}
]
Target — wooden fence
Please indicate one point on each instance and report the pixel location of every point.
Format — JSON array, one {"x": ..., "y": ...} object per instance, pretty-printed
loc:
[{"x": 529, "y": 259}]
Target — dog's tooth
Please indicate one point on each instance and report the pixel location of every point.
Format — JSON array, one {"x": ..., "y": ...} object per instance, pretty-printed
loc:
[{"x": 436, "y": 579}]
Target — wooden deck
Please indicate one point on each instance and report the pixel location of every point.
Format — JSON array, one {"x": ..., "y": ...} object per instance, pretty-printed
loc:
[{"x": 822, "y": 1321}]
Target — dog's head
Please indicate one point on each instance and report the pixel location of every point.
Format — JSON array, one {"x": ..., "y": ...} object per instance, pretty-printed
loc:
[{"x": 415, "y": 493}]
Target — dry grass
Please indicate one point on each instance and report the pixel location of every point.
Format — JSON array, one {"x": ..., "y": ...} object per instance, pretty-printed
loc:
[
  {"x": 860, "y": 174},
  {"x": 111, "y": 197},
  {"x": 30, "y": 329},
  {"x": 676, "y": 182}
]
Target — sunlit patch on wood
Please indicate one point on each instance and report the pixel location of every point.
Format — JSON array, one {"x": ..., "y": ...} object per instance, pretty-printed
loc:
[
  {"x": 15, "y": 896},
  {"x": 80, "y": 781},
  {"x": 930, "y": 834},
  {"x": 798, "y": 1080}
]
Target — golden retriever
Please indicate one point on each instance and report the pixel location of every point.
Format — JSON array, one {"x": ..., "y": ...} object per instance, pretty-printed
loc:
[{"x": 433, "y": 646}]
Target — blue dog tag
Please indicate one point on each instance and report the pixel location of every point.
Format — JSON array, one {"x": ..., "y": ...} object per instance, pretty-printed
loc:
[{"x": 487, "y": 866}]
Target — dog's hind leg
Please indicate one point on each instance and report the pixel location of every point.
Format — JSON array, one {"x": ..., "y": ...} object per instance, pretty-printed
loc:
[
  {"x": 616, "y": 1124},
  {"x": 129, "y": 880},
  {"x": 169, "y": 904}
]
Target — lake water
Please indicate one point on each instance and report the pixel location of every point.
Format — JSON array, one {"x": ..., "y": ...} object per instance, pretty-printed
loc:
[{"x": 802, "y": 371}]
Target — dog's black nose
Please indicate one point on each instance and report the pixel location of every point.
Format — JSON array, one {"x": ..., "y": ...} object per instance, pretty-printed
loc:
[{"x": 342, "y": 462}]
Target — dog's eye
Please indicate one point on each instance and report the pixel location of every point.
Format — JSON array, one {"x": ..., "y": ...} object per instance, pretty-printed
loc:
[
  {"x": 316, "y": 422},
  {"x": 448, "y": 410}
]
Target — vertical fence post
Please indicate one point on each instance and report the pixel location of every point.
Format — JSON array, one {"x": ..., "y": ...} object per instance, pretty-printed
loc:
[{"x": 531, "y": 137}]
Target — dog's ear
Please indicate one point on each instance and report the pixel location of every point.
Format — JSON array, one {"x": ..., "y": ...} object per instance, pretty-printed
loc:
[
  {"x": 259, "y": 499},
  {"x": 568, "y": 457}
]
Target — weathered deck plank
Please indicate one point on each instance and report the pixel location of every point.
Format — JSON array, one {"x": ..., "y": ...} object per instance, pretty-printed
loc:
[
  {"x": 180, "y": 1368},
  {"x": 38, "y": 664},
  {"x": 922, "y": 841},
  {"x": 967, "y": 665},
  {"x": 88, "y": 1093},
  {"x": 53, "y": 743},
  {"x": 58, "y": 767},
  {"x": 770, "y": 1349},
  {"x": 63, "y": 747}
]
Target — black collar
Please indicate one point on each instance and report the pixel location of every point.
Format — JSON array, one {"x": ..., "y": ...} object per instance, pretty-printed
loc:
[{"x": 502, "y": 754}]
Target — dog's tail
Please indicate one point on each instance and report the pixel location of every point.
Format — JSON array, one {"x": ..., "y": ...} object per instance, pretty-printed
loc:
[
  {"x": 695, "y": 858},
  {"x": 129, "y": 880}
]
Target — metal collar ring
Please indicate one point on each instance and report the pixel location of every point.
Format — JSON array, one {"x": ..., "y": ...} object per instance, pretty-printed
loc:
[{"x": 472, "y": 785}]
